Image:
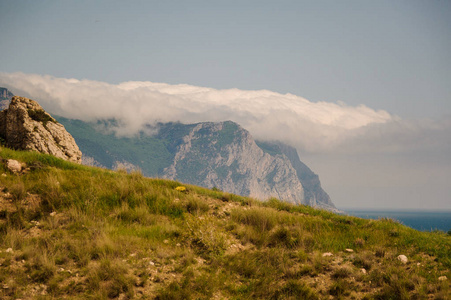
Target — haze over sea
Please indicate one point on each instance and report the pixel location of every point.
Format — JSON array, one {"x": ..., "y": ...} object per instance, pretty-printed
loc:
[{"x": 419, "y": 220}]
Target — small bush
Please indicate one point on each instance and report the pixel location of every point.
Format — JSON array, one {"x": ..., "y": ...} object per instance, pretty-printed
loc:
[
  {"x": 339, "y": 288},
  {"x": 363, "y": 261},
  {"x": 40, "y": 272},
  {"x": 341, "y": 273},
  {"x": 41, "y": 116},
  {"x": 196, "y": 206},
  {"x": 285, "y": 237},
  {"x": 295, "y": 290},
  {"x": 380, "y": 252},
  {"x": 260, "y": 218},
  {"x": 359, "y": 242},
  {"x": 18, "y": 191}
]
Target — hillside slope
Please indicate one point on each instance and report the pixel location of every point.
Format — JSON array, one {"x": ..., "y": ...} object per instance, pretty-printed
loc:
[{"x": 75, "y": 232}]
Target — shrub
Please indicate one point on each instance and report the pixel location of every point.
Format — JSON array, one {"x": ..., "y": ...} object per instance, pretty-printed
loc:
[
  {"x": 341, "y": 273},
  {"x": 40, "y": 272},
  {"x": 196, "y": 206},
  {"x": 40, "y": 115},
  {"x": 295, "y": 290},
  {"x": 339, "y": 288},
  {"x": 289, "y": 238},
  {"x": 261, "y": 219}
]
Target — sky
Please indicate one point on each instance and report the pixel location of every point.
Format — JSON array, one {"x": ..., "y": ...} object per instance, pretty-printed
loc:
[{"x": 361, "y": 88}]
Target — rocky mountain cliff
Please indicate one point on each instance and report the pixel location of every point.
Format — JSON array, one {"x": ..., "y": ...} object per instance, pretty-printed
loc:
[
  {"x": 26, "y": 126},
  {"x": 221, "y": 155},
  {"x": 224, "y": 155},
  {"x": 314, "y": 195}
]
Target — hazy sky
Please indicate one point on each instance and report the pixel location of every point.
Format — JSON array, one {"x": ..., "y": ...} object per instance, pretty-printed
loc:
[{"x": 361, "y": 88}]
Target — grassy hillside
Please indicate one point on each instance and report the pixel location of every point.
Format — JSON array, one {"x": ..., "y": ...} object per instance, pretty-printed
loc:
[{"x": 75, "y": 232}]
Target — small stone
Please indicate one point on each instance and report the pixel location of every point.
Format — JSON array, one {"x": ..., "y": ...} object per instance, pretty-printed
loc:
[
  {"x": 133, "y": 255},
  {"x": 363, "y": 270},
  {"x": 122, "y": 297},
  {"x": 442, "y": 278},
  {"x": 402, "y": 258},
  {"x": 13, "y": 165},
  {"x": 9, "y": 250},
  {"x": 166, "y": 241},
  {"x": 349, "y": 250},
  {"x": 5, "y": 286},
  {"x": 327, "y": 254},
  {"x": 52, "y": 214},
  {"x": 151, "y": 263},
  {"x": 178, "y": 245},
  {"x": 4, "y": 175}
]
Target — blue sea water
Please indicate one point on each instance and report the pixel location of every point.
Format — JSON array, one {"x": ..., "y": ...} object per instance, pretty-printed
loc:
[{"x": 419, "y": 220}]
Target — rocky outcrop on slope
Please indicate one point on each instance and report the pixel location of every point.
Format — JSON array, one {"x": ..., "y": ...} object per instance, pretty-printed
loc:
[
  {"x": 26, "y": 126},
  {"x": 225, "y": 156}
]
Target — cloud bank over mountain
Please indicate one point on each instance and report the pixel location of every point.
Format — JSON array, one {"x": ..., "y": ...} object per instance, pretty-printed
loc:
[{"x": 309, "y": 126}]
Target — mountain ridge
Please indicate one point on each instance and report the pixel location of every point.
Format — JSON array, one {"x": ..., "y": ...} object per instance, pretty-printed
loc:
[{"x": 161, "y": 154}]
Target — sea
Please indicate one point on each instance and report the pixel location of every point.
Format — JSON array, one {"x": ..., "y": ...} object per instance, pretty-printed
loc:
[{"x": 419, "y": 220}]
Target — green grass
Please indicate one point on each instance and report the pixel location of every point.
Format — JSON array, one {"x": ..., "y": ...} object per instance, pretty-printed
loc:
[{"x": 69, "y": 231}]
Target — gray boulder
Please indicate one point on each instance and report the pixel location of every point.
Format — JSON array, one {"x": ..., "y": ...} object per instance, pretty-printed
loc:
[{"x": 26, "y": 126}]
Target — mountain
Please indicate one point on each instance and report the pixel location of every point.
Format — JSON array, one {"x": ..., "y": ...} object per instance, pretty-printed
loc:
[
  {"x": 5, "y": 98},
  {"x": 222, "y": 155}
]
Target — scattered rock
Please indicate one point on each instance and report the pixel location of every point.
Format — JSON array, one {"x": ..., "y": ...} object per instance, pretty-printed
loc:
[
  {"x": 52, "y": 214},
  {"x": 402, "y": 258},
  {"x": 442, "y": 278},
  {"x": 166, "y": 241},
  {"x": 151, "y": 263},
  {"x": 363, "y": 270},
  {"x": 327, "y": 254},
  {"x": 13, "y": 165},
  {"x": 9, "y": 250},
  {"x": 122, "y": 297},
  {"x": 349, "y": 250}
]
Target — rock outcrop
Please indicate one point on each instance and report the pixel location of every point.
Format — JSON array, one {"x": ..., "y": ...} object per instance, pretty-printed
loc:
[
  {"x": 26, "y": 126},
  {"x": 224, "y": 155}
]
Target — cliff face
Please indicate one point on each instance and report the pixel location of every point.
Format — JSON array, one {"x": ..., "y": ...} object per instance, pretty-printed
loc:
[
  {"x": 26, "y": 126},
  {"x": 225, "y": 156},
  {"x": 313, "y": 192}
]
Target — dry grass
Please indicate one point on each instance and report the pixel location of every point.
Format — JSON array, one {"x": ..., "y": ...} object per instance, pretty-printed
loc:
[{"x": 77, "y": 232}]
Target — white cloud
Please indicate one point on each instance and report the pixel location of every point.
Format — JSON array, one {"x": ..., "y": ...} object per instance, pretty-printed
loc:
[
  {"x": 313, "y": 127},
  {"x": 365, "y": 158}
]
